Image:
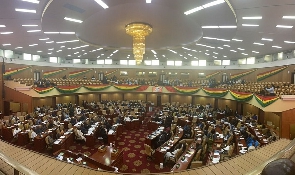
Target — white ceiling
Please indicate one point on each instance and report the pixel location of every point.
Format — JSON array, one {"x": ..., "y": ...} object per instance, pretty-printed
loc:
[{"x": 172, "y": 29}]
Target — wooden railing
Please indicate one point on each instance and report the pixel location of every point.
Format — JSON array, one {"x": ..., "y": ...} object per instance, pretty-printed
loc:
[{"x": 17, "y": 160}]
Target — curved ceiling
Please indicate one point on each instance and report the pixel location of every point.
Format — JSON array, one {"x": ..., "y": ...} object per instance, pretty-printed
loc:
[{"x": 175, "y": 36}]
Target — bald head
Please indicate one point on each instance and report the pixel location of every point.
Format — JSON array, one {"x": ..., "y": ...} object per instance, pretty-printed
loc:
[{"x": 279, "y": 167}]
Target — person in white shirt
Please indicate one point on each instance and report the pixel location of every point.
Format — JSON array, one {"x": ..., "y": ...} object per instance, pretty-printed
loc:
[
  {"x": 33, "y": 134},
  {"x": 127, "y": 118},
  {"x": 16, "y": 131},
  {"x": 79, "y": 134}
]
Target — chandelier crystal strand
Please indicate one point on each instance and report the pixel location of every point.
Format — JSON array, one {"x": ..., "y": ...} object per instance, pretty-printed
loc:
[{"x": 138, "y": 31}]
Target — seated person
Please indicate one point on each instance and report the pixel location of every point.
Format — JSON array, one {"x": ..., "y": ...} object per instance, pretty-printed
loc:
[
  {"x": 49, "y": 140},
  {"x": 79, "y": 134},
  {"x": 33, "y": 134},
  {"x": 16, "y": 131}
]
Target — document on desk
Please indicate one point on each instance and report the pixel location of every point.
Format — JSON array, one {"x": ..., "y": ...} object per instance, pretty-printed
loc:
[{"x": 110, "y": 132}]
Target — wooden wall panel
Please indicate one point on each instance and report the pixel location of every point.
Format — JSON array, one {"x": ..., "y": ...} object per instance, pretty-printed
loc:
[
  {"x": 88, "y": 98},
  {"x": 15, "y": 107},
  {"x": 134, "y": 96},
  {"x": 18, "y": 97},
  {"x": 181, "y": 99},
  {"x": 47, "y": 101},
  {"x": 152, "y": 98},
  {"x": 65, "y": 99},
  {"x": 204, "y": 100},
  {"x": 288, "y": 117},
  {"x": 250, "y": 108},
  {"x": 272, "y": 117},
  {"x": 165, "y": 98},
  {"x": 112, "y": 96},
  {"x": 222, "y": 103}
]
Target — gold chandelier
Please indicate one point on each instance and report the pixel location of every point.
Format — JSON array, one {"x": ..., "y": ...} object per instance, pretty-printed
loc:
[{"x": 138, "y": 31}]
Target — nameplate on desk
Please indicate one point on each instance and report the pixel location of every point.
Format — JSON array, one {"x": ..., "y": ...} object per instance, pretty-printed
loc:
[{"x": 62, "y": 137}]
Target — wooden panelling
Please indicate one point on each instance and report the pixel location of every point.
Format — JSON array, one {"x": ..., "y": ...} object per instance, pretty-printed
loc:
[
  {"x": 222, "y": 103},
  {"x": 250, "y": 108},
  {"x": 204, "y": 100},
  {"x": 288, "y": 117},
  {"x": 65, "y": 99},
  {"x": 152, "y": 98},
  {"x": 47, "y": 101},
  {"x": 181, "y": 99},
  {"x": 134, "y": 96}
]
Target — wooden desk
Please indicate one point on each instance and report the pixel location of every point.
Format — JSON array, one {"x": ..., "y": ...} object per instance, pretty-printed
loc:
[
  {"x": 39, "y": 143},
  {"x": 110, "y": 157},
  {"x": 112, "y": 138},
  {"x": 239, "y": 142},
  {"x": 131, "y": 125},
  {"x": 186, "y": 158},
  {"x": 167, "y": 146},
  {"x": 23, "y": 138},
  {"x": 7, "y": 133},
  {"x": 69, "y": 156},
  {"x": 258, "y": 135},
  {"x": 65, "y": 143},
  {"x": 152, "y": 138},
  {"x": 151, "y": 125}
]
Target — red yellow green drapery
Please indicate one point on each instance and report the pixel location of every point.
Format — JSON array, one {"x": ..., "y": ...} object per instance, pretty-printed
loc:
[
  {"x": 241, "y": 96},
  {"x": 67, "y": 89},
  {"x": 53, "y": 72},
  {"x": 14, "y": 71},
  {"x": 212, "y": 75},
  {"x": 265, "y": 100},
  {"x": 215, "y": 92},
  {"x": 242, "y": 74},
  {"x": 78, "y": 73},
  {"x": 186, "y": 90},
  {"x": 270, "y": 73},
  {"x": 126, "y": 87},
  {"x": 96, "y": 87},
  {"x": 43, "y": 90}
]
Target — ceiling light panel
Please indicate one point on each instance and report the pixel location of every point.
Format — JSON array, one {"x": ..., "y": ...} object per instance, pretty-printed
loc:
[
  {"x": 210, "y": 4},
  {"x": 250, "y": 25},
  {"x": 6, "y": 44},
  {"x": 277, "y": 47},
  {"x": 267, "y": 39},
  {"x": 252, "y": 17},
  {"x": 102, "y": 4},
  {"x": 73, "y": 20},
  {"x": 288, "y": 17},
  {"x": 284, "y": 26},
  {"x": 30, "y": 25},
  {"x": 6, "y": 33},
  {"x": 31, "y": 1},
  {"x": 2, "y": 26},
  {"x": 289, "y": 42},
  {"x": 31, "y": 31},
  {"x": 25, "y": 10},
  {"x": 148, "y": 1},
  {"x": 261, "y": 44}
]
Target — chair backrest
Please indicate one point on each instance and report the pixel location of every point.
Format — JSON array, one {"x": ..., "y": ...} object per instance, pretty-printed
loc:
[
  {"x": 47, "y": 140},
  {"x": 229, "y": 140},
  {"x": 178, "y": 154},
  {"x": 230, "y": 150},
  {"x": 198, "y": 155}
]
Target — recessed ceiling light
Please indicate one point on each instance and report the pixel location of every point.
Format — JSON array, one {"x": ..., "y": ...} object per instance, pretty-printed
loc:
[
  {"x": 102, "y": 4},
  {"x": 244, "y": 54},
  {"x": 267, "y": 39},
  {"x": 25, "y": 10},
  {"x": 253, "y": 17},
  {"x": 210, "y": 27},
  {"x": 290, "y": 42},
  {"x": 288, "y": 17},
  {"x": 32, "y": 1},
  {"x": 154, "y": 52},
  {"x": 30, "y": 25},
  {"x": 219, "y": 47},
  {"x": 66, "y": 33},
  {"x": 210, "y": 4},
  {"x": 18, "y": 47},
  {"x": 277, "y": 47},
  {"x": 209, "y": 38},
  {"x": 73, "y": 20},
  {"x": 233, "y": 50},
  {"x": 224, "y": 56},
  {"x": 226, "y": 45},
  {"x": 48, "y": 42},
  {"x": 33, "y": 45},
  {"x": 237, "y": 40},
  {"x": 31, "y": 31},
  {"x": 69, "y": 55},
  {"x": 241, "y": 49},
  {"x": 148, "y": 1},
  {"x": 39, "y": 51},
  {"x": 2, "y": 26},
  {"x": 227, "y": 27},
  {"x": 51, "y": 32},
  {"x": 43, "y": 39},
  {"x": 50, "y": 53},
  {"x": 255, "y": 51},
  {"x": 62, "y": 46},
  {"x": 6, "y": 44},
  {"x": 193, "y": 10},
  {"x": 261, "y": 44},
  {"x": 284, "y": 26},
  {"x": 250, "y": 25},
  {"x": 6, "y": 33}
]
